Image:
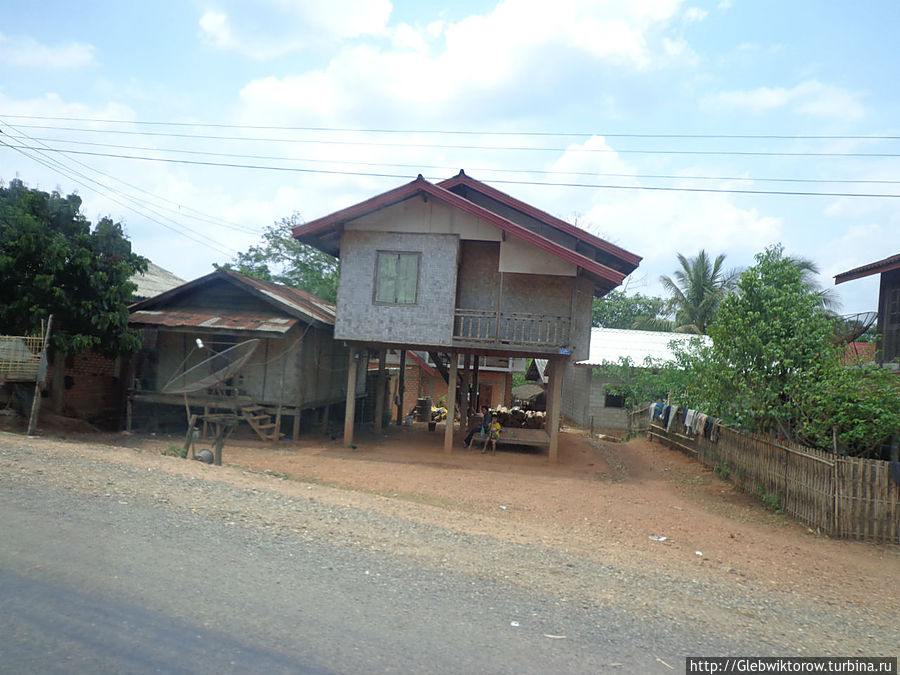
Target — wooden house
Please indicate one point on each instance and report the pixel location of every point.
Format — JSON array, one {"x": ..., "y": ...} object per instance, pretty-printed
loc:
[
  {"x": 464, "y": 271},
  {"x": 888, "y": 349},
  {"x": 296, "y": 366}
]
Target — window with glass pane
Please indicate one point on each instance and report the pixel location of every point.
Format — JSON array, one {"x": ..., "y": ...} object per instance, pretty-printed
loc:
[{"x": 397, "y": 278}]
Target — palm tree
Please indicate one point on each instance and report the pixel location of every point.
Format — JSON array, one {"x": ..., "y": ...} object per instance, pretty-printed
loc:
[
  {"x": 696, "y": 291},
  {"x": 808, "y": 272}
]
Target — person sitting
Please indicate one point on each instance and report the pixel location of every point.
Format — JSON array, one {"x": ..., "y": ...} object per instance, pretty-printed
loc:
[
  {"x": 484, "y": 428},
  {"x": 492, "y": 436}
]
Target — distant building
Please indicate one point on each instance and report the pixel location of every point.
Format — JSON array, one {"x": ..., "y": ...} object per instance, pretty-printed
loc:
[
  {"x": 154, "y": 281},
  {"x": 602, "y": 407}
]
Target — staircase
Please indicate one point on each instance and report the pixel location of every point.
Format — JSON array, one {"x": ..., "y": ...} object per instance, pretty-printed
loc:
[{"x": 261, "y": 422}]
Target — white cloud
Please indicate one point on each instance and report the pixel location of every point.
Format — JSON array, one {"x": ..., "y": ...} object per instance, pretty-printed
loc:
[
  {"x": 24, "y": 51},
  {"x": 270, "y": 28},
  {"x": 500, "y": 54},
  {"x": 654, "y": 224},
  {"x": 811, "y": 98},
  {"x": 693, "y": 14}
]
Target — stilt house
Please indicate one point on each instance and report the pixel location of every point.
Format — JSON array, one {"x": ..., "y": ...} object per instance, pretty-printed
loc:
[{"x": 464, "y": 271}]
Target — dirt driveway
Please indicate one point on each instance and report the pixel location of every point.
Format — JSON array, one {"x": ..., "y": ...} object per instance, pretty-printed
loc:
[{"x": 602, "y": 499}]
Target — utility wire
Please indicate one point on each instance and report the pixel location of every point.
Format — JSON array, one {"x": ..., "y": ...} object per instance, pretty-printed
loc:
[
  {"x": 207, "y": 153},
  {"x": 181, "y": 211},
  {"x": 39, "y": 156},
  {"x": 455, "y": 132},
  {"x": 439, "y": 146},
  {"x": 509, "y": 182}
]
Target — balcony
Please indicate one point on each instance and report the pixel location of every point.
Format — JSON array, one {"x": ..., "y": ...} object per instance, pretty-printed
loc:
[{"x": 507, "y": 329}]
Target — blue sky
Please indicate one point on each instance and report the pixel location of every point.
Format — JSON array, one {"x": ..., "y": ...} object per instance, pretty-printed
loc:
[{"x": 602, "y": 70}]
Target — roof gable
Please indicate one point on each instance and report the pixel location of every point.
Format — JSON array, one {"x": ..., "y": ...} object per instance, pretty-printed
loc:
[
  {"x": 462, "y": 183},
  {"x": 324, "y": 233},
  {"x": 284, "y": 299}
]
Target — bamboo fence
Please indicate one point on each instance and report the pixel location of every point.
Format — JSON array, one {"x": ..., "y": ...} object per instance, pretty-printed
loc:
[{"x": 848, "y": 497}]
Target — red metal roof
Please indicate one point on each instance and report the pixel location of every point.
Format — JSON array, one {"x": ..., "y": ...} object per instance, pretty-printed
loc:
[
  {"x": 885, "y": 265},
  {"x": 330, "y": 222},
  {"x": 462, "y": 178}
]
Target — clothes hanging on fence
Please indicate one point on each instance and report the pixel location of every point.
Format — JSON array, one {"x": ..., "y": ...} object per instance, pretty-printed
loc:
[
  {"x": 673, "y": 413},
  {"x": 700, "y": 423},
  {"x": 690, "y": 420},
  {"x": 714, "y": 430}
]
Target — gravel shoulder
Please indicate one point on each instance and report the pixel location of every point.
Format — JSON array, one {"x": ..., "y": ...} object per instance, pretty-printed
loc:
[{"x": 575, "y": 533}]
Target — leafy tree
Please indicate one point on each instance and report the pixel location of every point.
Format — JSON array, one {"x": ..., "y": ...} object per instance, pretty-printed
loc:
[
  {"x": 774, "y": 368},
  {"x": 284, "y": 260},
  {"x": 617, "y": 310},
  {"x": 696, "y": 291},
  {"x": 770, "y": 342},
  {"x": 52, "y": 262}
]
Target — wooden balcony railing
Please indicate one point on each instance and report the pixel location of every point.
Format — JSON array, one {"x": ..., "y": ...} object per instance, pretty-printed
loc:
[{"x": 511, "y": 328}]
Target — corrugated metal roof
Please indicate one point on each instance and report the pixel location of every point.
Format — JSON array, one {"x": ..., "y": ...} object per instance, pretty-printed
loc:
[
  {"x": 291, "y": 301},
  {"x": 154, "y": 281},
  {"x": 232, "y": 321},
  {"x": 612, "y": 344},
  {"x": 299, "y": 300}
]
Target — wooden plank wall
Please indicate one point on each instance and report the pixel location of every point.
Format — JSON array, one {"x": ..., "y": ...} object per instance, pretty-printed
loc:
[{"x": 847, "y": 497}]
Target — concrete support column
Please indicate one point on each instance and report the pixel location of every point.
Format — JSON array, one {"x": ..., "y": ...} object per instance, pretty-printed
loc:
[
  {"x": 554, "y": 404},
  {"x": 451, "y": 402},
  {"x": 350, "y": 409},
  {"x": 379, "y": 392}
]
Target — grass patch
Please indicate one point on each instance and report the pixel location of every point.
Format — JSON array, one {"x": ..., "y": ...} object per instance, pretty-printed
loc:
[{"x": 175, "y": 450}]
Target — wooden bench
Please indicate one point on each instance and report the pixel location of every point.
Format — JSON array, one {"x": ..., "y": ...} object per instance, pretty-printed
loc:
[{"x": 516, "y": 436}]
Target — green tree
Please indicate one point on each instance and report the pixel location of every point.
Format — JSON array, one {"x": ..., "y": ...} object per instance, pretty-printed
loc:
[
  {"x": 284, "y": 260},
  {"x": 770, "y": 341},
  {"x": 773, "y": 367},
  {"x": 696, "y": 290},
  {"x": 617, "y": 310},
  {"x": 53, "y": 262}
]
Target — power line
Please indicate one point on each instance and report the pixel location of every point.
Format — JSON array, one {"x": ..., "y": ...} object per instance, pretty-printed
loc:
[
  {"x": 473, "y": 169},
  {"x": 439, "y": 146},
  {"x": 508, "y": 182},
  {"x": 40, "y": 157},
  {"x": 457, "y": 132}
]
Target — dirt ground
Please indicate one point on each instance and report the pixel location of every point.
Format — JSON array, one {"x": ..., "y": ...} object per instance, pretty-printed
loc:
[{"x": 602, "y": 499}]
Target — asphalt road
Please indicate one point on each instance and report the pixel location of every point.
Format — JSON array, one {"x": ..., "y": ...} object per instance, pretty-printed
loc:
[{"x": 93, "y": 584}]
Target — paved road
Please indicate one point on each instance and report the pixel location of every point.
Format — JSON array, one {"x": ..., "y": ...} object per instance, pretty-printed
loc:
[{"x": 93, "y": 584}]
